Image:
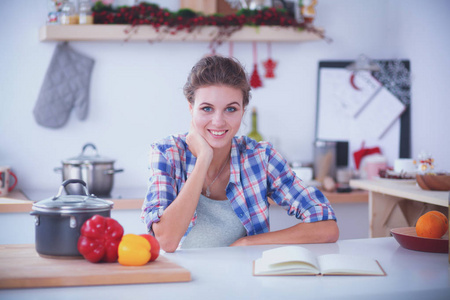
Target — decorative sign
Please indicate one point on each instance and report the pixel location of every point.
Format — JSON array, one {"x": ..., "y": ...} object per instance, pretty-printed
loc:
[{"x": 359, "y": 107}]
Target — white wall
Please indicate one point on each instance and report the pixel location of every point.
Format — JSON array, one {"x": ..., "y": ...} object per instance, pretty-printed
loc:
[{"x": 136, "y": 88}]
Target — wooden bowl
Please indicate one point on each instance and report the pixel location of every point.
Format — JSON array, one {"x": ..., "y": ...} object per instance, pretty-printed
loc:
[{"x": 434, "y": 182}]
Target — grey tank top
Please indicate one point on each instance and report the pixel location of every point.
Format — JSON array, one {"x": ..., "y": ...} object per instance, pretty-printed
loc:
[{"x": 216, "y": 226}]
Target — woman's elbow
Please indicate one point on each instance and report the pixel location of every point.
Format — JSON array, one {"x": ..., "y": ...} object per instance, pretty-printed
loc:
[
  {"x": 331, "y": 235},
  {"x": 167, "y": 243}
]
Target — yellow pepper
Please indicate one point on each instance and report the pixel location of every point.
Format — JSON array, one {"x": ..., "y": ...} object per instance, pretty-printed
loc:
[{"x": 134, "y": 250}]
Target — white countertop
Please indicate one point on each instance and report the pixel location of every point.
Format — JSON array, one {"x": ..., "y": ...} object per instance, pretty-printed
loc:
[{"x": 226, "y": 273}]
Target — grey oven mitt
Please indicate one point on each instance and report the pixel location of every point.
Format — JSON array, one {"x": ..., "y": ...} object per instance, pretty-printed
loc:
[{"x": 66, "y": 87}]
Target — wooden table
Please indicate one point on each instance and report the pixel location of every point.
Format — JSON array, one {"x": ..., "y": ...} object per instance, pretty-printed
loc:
[{"x": 397, "y": 203}]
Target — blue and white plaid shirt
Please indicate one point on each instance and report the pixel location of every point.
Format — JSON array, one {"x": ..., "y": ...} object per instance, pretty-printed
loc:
[{"x": 257, "y": 171}]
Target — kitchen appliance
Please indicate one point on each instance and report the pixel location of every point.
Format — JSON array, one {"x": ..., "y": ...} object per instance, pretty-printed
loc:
[
  {"x": 58, "y": 220},
  {"x": 328, "y": 157},
  {"x": 97, "y": 171}
]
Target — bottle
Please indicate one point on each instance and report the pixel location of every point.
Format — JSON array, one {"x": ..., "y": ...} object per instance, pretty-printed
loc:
[
  {"x": 52, "y": 16},
  {"x": 254, "y": 134},
  {"x": 69, "y": 14},
  {"x": 85, "y": 13}
]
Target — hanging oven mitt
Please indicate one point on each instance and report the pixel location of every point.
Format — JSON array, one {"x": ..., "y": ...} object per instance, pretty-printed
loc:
[
  {"x": 358, "y": 155},
  {"x": 66, "y": 87}
]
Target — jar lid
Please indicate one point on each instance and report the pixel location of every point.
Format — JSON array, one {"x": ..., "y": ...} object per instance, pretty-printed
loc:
[
  {"x": 86, "y": 158},
  {"x": 72, "y": 203}
]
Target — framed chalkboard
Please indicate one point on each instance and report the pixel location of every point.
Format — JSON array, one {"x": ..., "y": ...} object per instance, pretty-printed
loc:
[{"x": 371, "y": 107}]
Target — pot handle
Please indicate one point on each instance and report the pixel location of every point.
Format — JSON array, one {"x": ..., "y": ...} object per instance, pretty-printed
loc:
[
  {"x": 89, "y": 145},
  {"x": 68, "y": 181},
  {"x": 112, "y": 171}
]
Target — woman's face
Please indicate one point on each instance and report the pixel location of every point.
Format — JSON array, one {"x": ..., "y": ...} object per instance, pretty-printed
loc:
[{"x": 217, "y": 114}]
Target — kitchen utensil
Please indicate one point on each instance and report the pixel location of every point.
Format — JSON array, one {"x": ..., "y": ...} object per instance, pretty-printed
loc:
[
  {"x": 5, "y": 186},
  {"x": 97, "y": 171},
  {"x": 25, "y": 269},
  {"x": 407, "y": 238},
  {"x": 324, "y": 159},
  {"x": 59, "y": 220},
  {"x": 434, "y": 182}
]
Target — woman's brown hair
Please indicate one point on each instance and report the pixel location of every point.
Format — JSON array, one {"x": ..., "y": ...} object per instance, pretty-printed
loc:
[{"x": 217, "y": 70}]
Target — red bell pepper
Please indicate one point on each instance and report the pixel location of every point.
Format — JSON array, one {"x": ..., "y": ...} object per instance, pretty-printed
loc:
[{"x": 99, "y": 239}]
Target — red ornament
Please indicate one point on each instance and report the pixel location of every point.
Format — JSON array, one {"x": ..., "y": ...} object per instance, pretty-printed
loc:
[
  {"x": 269, "y": 64},
  {"x": 255, "y": 80}
]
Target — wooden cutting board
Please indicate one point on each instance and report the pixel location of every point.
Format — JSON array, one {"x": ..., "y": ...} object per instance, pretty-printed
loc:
[{"x": 22, "y": 267}]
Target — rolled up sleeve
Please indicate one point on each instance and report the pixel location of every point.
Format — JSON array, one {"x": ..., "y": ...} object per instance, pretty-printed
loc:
[
  {"x": 290, "y": 192},
  {"x": 162, "y": 188}
]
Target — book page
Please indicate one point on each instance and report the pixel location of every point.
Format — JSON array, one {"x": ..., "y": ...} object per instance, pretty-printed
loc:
[
  {"x": 287, "y": 260},
  {"x": 338, "y": 264}
]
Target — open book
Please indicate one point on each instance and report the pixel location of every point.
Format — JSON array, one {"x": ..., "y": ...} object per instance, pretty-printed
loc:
[{"x": 296, "y": 260}]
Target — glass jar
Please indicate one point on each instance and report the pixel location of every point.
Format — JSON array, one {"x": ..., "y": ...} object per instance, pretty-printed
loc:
[
  {"x": 53, "y": 7},
  {"x": 85, "y": 13},
  {"x": 68, "y": 14}
]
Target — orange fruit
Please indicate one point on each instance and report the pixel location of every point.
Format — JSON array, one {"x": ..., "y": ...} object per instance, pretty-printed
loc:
[
  {"x": 440, "y": 215},
  {"x": 431, "y": 225}
]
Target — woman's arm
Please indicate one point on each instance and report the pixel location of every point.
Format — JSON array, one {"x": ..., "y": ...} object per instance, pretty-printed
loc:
[
  {"x": 176, "y": 217},
  {"x": 302, "y": 233}
]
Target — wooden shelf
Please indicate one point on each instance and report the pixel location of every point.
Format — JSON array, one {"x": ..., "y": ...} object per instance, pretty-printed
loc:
[
  {"x": 146, "y": 33},
  {"x": 405, "y": 190}
]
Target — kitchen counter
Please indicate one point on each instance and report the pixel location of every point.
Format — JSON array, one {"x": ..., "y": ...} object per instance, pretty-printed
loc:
[
  {"x": 132, "y": 198},
  {"x": 20, "y": 201},
  {"x": 226, "y": 273}
]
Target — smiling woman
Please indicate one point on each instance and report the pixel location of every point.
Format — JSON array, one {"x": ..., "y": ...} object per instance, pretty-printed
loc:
[
  {"x": 217, "y": 114},
  {"x": 210, "y": 188}
]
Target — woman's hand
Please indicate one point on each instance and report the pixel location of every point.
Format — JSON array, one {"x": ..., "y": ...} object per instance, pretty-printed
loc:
[{"x": 198, "y": 145}]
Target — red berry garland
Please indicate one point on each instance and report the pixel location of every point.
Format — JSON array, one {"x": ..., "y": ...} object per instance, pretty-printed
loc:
[{"x": 185, "y": 19}]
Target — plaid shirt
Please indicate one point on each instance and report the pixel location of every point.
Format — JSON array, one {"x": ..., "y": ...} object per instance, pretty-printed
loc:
[{"x": 257, "y": 171}]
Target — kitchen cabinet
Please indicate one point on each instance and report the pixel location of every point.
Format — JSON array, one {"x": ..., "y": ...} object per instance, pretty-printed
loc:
[{"x": 146, "y": 33}]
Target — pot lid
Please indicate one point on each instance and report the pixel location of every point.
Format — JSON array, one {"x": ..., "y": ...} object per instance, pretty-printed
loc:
[
  {"x": 72, "y": 203},
  {"x": 88, "y": 158}
]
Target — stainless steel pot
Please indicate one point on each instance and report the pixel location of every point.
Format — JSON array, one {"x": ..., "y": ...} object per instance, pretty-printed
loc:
[
  {"x": 58, "y": 220},
  {"x": 97, "y": 171}
]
